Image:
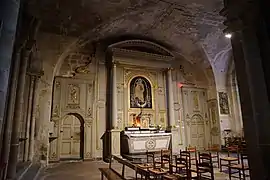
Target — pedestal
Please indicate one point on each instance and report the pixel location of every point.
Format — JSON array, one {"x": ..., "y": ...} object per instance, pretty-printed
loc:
[
  {"x": 115, "y": 142},
  {"x": 175, "y": 141}
]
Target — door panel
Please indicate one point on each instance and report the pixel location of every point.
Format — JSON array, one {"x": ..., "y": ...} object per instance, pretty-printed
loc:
[{"x": 71, "y": 138}]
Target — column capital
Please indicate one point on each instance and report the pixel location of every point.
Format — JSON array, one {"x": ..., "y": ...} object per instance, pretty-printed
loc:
[
  {"x": 35, "y": 73},
  {"x": 240, "y": 14}
]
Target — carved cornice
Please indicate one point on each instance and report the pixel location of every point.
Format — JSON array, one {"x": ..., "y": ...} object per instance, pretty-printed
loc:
[
  {"x": 35, "y": 73},
  {"x": 147, "y": 45},
  {"x": 118, "y": 52}
]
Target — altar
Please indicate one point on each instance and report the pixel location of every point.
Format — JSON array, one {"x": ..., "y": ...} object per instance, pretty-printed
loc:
[{"x": 138, "y": 141}]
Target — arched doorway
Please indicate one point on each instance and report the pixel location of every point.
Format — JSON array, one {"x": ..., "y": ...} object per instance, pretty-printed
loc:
[
  {"x": 72, "y": 137},
  {"x": 197, "y": 131}
]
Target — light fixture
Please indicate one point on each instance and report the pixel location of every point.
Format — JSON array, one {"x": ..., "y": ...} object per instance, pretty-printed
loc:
[{"x": 228, "y": 35}]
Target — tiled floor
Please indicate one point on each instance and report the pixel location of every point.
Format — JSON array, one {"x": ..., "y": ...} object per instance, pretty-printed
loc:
[{"x": 88, "y": 170}]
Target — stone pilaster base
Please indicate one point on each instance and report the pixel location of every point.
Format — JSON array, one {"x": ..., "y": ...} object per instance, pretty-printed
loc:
[
  {"x": 115, "y": 142},
  {"x": 176, "y": 141}
]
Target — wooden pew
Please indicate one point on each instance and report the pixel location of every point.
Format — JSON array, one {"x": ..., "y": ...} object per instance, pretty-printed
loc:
[
  {"x": 112, "y": 174},
  {"x": 124, "y": 164}
]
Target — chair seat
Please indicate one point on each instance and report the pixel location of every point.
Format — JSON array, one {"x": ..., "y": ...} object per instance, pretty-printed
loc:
[
  {"x": 239, "y": 166},
  {"x": 170, "y": 176},
  {"x": 193, "y": 175},
  {"x": 229, "y": 158},
  {"x": 145, "y": 166},
  {"x": 178, "y": 165},
  {"x": 159, "y": 161}
]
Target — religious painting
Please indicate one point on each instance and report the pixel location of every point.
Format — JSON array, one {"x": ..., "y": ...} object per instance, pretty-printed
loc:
[
  {"x": 223, "y": 103},
  {"x": 140, "y": 93}
]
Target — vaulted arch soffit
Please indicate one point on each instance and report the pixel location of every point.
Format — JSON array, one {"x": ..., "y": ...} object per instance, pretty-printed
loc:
[{"x": 196, "y": 37}]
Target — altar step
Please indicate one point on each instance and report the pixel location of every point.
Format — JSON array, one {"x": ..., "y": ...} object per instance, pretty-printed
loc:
[{"x": 137, "y": 158}]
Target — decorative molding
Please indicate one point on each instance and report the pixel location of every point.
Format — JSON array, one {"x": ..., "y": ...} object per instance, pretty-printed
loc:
[
  {"x": 156, "y": 49},
  {"x": 56, "y": 111},
  {"x": 89, "y": 113},
  {"x": 88, "y": 122},
  {"x": 88, "y": 155},
  {"x": 161, "y": 91}
]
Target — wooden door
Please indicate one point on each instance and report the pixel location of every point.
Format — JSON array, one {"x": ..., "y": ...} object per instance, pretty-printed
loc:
[
  {"x": 71, "y": 138},
  {"x": 197, "y": 132}
]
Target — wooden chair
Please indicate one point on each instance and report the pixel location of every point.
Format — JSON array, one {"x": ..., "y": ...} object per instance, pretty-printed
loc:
[
  {"x": 186, "y": 155},
  {"x": 240, "y": 168},
  {"x": 214, "y": 150},
  {"x": 165, "y": 159},
  {"x": 204, "y": 165},
  {"x": 182, "y": 171},
  {"x": 192, "y": 150},
  {"x": 230, "y": 160},
  {"x": 144, "y": 173},
  {"x": 150, "y": 158}
]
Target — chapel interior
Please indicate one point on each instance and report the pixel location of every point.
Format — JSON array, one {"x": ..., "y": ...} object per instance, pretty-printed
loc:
[{"x": 124, "y": 80}]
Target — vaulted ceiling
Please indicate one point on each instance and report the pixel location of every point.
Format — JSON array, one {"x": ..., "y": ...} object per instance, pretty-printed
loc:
[{"x": 190, "y": 28}]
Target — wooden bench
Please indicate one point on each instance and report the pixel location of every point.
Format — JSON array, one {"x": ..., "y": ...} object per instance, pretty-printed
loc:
[{"x": 112, "y": 174}]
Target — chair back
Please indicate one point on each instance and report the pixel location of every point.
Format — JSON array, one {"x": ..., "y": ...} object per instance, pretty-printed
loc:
[
  {"x": 205, "y": 158},
  {"x": 150, "y": 154},
  {"x": 205, "y": 163},
  {"x": 185, "y": 162},
  {"x": 165, "y": 156},
  {"x": 191, "y": 149},
  {"x": 213, "y": 147},
  {"x": 244, "y": 159}
]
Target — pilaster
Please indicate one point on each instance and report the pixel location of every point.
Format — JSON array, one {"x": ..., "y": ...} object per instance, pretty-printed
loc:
[
  {"x": 28, "y": 120},
  {"x": 33, "y": 120},
  {"x": 115, "y": 142},
  {"x": 170, "y": 100},
  {"x": 14, "y": 148},
  {"x": 114, "y": 97}
]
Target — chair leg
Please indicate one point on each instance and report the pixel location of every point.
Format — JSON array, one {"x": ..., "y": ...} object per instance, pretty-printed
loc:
[
  {"x": 230, "y": 173},
  {"x": 102, "y": 177},
  {"x": 239, "y": 172},
  {"x": 244, "y": 175},
  {"x": 220, "y": 166}
]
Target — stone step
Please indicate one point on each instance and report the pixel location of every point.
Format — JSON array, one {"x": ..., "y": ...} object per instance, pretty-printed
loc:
[{"x": 32, "y": 172}]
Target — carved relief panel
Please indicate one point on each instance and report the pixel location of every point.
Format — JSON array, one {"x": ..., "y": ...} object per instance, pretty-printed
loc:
[
  {"x": 73, "y": 96},
  {"x": 56, "y": 99},
  {"x": 214, "y": 121}
]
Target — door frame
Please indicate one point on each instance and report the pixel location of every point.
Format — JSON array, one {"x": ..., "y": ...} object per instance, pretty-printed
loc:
[{"x": 80, "y": 118}]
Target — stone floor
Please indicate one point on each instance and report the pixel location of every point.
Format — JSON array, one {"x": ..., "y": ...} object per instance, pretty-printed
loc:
[{"x": 88, "y": 170}]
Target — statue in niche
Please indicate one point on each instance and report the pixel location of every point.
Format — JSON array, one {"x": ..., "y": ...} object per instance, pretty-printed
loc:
[
  {"x": 140, "y": 93},
  {"x": 223, "y": 103}
]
